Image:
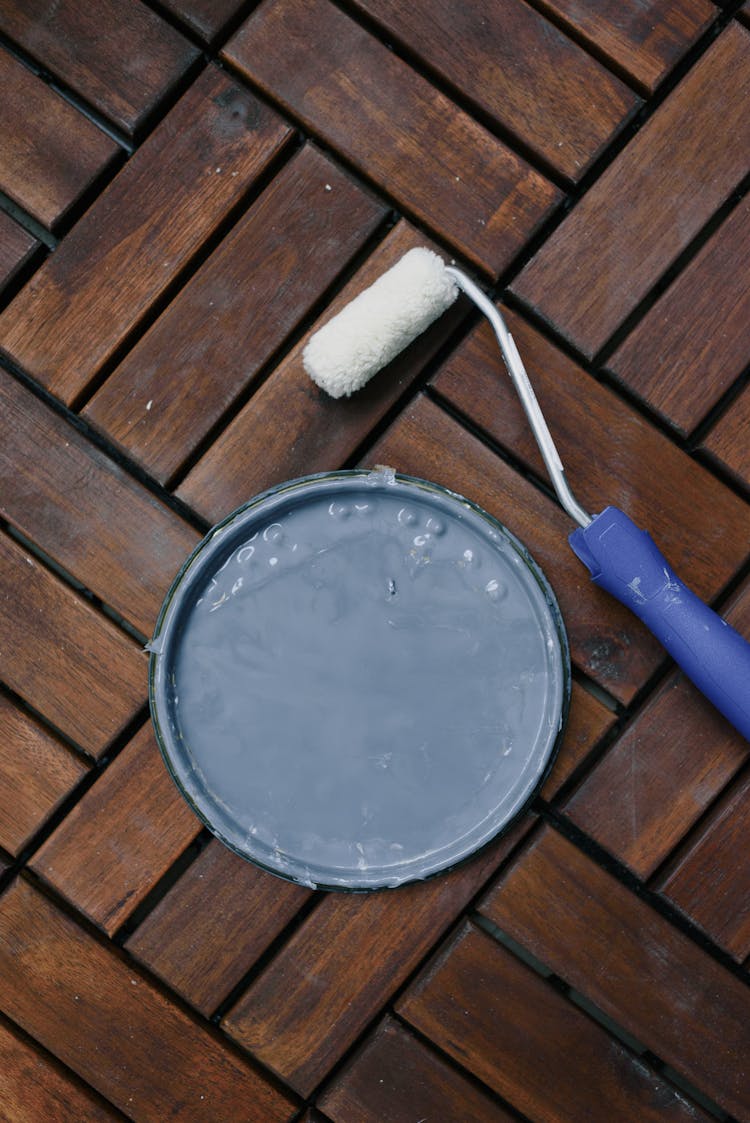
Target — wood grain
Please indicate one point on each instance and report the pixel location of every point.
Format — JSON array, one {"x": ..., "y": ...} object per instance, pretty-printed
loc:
[
  {"x": 495, "y": 1016},
  {"x": 36, "y": 773},
  {"x": 215, "y": 922},
  {"x": 34, "y": 1088},
  {"x": 611, "y": 455},
  {"x": 85, "y": 511},
  {"x": 643, "y": 37},
  {"x": 62, "y": 657},
  {"x": 727, "y": 443},
  {"x": 588, "y": 721},
  {"x": 663, "y": 772},
  {"x": 16, "y": 247},
  {"x": 120, "y": 838},
  {"x": 607, "y": 642},
  {"x": 430, "y": 156},
  {"x": 630, "y": 962},
  {"x": 116, "y": 1030},
  {"x": 122, "y": 71},
  {"x": 216, "y": 335},
  {"x": 695, "y": 341},
  {"x": 298, "y": 426},
  {"x": 397, "y": 1079},
  {"x": 206, "y": 18},
  {"x": 141, "y": 231},
  {"x": 49, "y": 152},
  {"x": 343, "y": 963},
  {"x": 650, "y": 202},
  {"x": 518, "y": 69},
  {"x": 710, "y": 882}
]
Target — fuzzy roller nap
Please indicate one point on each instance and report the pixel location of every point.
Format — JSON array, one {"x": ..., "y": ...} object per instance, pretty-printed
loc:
[
  {"x": 621, "y": 558},
  {"x": 379, "y": 323}
]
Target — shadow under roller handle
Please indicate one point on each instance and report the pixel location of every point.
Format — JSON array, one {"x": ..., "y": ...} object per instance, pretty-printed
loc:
[{"x": 624, "y": 560}]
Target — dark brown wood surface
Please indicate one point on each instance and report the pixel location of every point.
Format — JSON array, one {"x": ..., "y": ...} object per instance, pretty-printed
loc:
[
  {"x": 645, "y": 38},
  {"x": 436, "y": 161},
  {"x": 188, "y": 190},
  {"x": 49, "y": 152},
  {"x": 515, "y": 67},
  {"x": 214, "y": 339},
  {"x": 596, "y": 267},
  {"x": 123, "y": 73}
]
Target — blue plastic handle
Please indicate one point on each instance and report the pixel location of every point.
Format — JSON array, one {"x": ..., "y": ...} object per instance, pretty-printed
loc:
[{"x": 625, "y": 561}]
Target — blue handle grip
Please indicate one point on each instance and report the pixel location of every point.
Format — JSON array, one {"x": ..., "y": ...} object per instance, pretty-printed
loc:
[{"x": 626, "y": 562}]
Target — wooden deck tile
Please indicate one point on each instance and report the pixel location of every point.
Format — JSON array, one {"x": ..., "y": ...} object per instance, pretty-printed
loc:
[
  {"x": 596, "y": 267},
  {"x": 49, "y": 152},
  {"x": 124, "y": 73},
  {"x": 206, "y": 18},
  {"x": 398, "y": 1079},
  {"x": 508, "y": 1026},
  {"x": 611, "y": 455},
  {"x": 711, "y": 881},
  {"x": 213, "y": 925},
  {"x": 695, "y": 341},
  {"x": 643, "y": 37},
  {"x": 328, "y": 998},
  {"x": 588, "y": 721},
  {"x": 36, "y": 773},
  {"x": 123, "y": 835},
  {"x": 607, "y": 641},
  {"x": 727, "y": 443},
  {"x": 630, "y": 962},
  {"x": 430, "y": 156},
  {"x": 215, "y": 336},
  {"x": 84, "y": 511},
  {"x": 662, "y": 773},
  {"x": 16, "y": 247},
  {"x": 520, "y": 70},
  {"x": 299, "y": 427},
  {"x": 64, "y": 658},
  {"x": 146, "y": 226},
  {"x": 34, "y": 1088},
  {"x": 113, "y": 1028}
]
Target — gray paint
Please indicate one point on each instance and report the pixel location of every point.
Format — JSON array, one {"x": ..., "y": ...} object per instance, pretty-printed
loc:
[{"x": 359, "y": 680}]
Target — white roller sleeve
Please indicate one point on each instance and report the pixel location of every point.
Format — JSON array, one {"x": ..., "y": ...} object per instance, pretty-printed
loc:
[{"x": 384, "y": 319}]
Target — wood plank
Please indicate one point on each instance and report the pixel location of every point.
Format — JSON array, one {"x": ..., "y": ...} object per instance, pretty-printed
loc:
[
  {"x": 588, "y": 721},
  {"x": 396, "y": 1078},
  {"x": 120, "y": 838},
  {"x": 695, "y": 341},
  {"x": 36, "y": 773},
  {"x": 649, "y": 203},
  {"x": 62, "y": 657},
  {"x": 435, "y": 160},
  {"x": 34, "y": 1087},
  {"x": 85, "y": 511},
  {"x": 49, "y": 152},
  {"x": 727, "y": 443},
  {"x": 744, "y": 13},
  {"x": 606, "y": 640},
  {"x": 89, "y": 1008},
  {"x": 643, "y": 37},
  {"x": 217, "y": 334},
  {"x": 214, "y": 923},
  {"x": 141, "y": 231},
  {"x": 710, "y": 882},
  {"x": 506, "y": 1024},
  {"x": 299, "y": 427},
  {"x": 206, "y": 18},
  {"x": 630, "y": 962},
  {"x": 329, "y": 997},
  {"x": 518, "y": 69},
  {"x": 663, "y": 772},
  {"x": 123, "y": 71},
  {"x": 16, "y": 247},
  {"x": 700, "y": 526}
]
